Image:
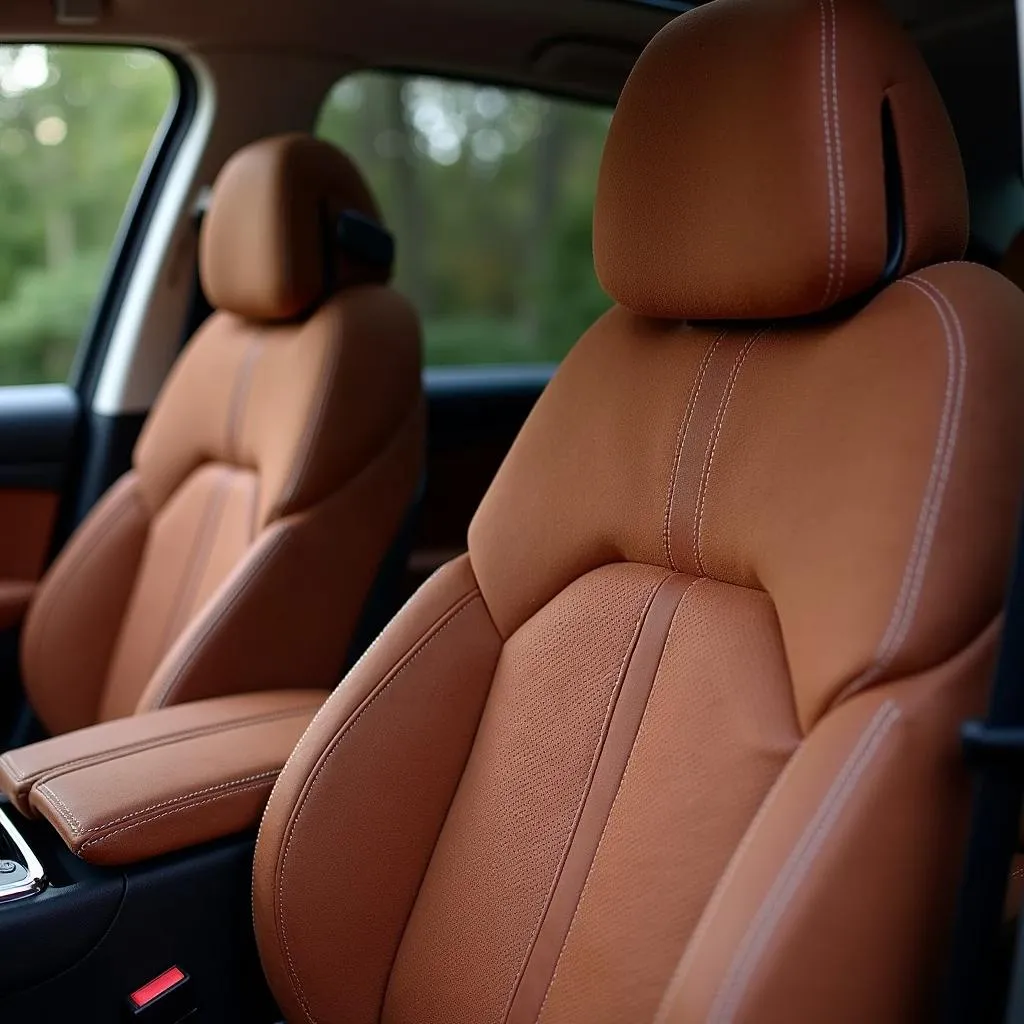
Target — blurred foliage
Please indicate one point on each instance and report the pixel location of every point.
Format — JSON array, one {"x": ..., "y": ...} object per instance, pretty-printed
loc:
[
  {"x": 488, "y": 191},
  {"x": 75, "y": 126},
  {"x": 490, "y": 195}
]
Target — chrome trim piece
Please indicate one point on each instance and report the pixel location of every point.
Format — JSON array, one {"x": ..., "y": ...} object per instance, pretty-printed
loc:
[{"x": 36, "y": 880}]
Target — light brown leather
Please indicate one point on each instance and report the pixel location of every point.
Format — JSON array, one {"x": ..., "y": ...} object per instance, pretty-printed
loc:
[
  {"x": 683, "y": 226},
  {"x": 725, "y": 606},
  {"x": 268, "y": 483},
  {"x": 123, "y": 791},
  {"x": 26, "y": 524},
  {"x": 270, "y": 266}
]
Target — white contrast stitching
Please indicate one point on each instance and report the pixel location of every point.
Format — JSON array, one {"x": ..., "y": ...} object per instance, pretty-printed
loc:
[
  {"x": 54, "y": 771},
  {"x": 712, "y": 446},
  {"x": 62, "y": 808},
  {"x": 142, "y": 812},
  {"x": 838, "y": 146},
  {"x": 436, "y": 630},
  {"x": 787, "y": 882},
  {"x": 684, "y": 429},
  {"x": 708, "y": 916},
  {"x": 905, "y": 608},
  {"x": 172, "y": 810},
  {"x": 828, "y": 157}
]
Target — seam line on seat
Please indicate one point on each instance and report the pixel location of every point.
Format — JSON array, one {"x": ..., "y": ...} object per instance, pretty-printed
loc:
[
  {"x": 616, "y": 691},
  {"x": 712, "y": 447},
  {"x": 173, "y": 810},
  {"x": 79, "y": 830},
  {"x": 229, "y": 599},
  {"x": 55, "y": 771},
  {"x": 240, "y": 397},
  {"x": 199, "y": 558},
  {"x": 611, "y": 810},
  {"x": 684, "y": 428},
  {"x": 905, "y": 607},
  {"x": 761, "y": 929},
  {"x": 837, "y": 139},
  {"x": 434, "y": 631},
  {"x": 829, "y": 160}
]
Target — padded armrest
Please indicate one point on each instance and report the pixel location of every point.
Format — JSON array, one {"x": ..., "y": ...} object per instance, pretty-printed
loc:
[{"x": 136, "y": 787}]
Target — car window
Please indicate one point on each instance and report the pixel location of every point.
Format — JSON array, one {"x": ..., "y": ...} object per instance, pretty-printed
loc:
[
  {"x": 76, "y": 123},
  {"x": 490, "y": 195}
]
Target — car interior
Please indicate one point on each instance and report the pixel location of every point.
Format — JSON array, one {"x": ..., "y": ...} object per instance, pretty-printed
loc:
[{"x": 511, "y": 512}]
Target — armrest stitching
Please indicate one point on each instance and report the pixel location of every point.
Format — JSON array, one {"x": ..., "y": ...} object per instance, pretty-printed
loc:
[
  {"x": 176, "y": 801},
  {"x": 13, "y": 771},
  {"x": 101, "y": 757},
  {"x": 172, "y": 810},
  {"x": 61, "y": 808}
]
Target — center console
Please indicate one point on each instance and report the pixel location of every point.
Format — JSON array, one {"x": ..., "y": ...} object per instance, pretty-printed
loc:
[{"x": 126, "y": 857}]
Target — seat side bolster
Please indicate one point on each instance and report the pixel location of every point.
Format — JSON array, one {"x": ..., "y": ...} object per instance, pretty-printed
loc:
[
  {"x": 834, "y": 899},
  {"x": 352, "y": 822},
  {"x": 78, "y": 609}
]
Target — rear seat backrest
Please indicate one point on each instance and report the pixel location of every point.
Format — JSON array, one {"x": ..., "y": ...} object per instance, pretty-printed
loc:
[{"x": 270, "y": 477}]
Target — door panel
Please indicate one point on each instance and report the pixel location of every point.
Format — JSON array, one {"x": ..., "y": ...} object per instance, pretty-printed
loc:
[
  {"x": 474, "y": 415},
  {"x": 38, "y": 441}
]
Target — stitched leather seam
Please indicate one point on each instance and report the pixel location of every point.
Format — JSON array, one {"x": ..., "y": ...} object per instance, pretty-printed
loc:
[
  {"x": 684, "y": 428},
  {"x": 733, "y": 987},
  {"x": 613, "y": 697},
  {"x": 611, "y": 811},
  {"x": 240, "y": 397},
  {"x": 829, "y": 163},
  {"x": 905, "y": 607},
  {"x": 14, "y": 773},
  {"x": 199, "y": 557},
  {"x": 712, "y": 447},
  {"x": 710, "y": 912},
  {"x": 142, "y": 813},
  {"x": 838, "y": 145},
  {"x": 230, "y": 598},
  {"x": 51, "y": 772},
  {"x": 437, "y": 629},
  {"x": 173, "y": 810},
  {"x": 61, "y": 808},
  {"x": 324, "y": 707},
  {"x": 312, "y": 429}
]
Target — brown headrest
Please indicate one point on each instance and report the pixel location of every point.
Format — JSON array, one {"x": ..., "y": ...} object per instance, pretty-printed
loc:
[
  {"x": 269, "y": 248},
  {"x": 745, "y": 172}
]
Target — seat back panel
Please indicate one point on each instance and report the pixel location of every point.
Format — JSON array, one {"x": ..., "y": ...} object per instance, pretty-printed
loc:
[{"x": 194, "y": 543}]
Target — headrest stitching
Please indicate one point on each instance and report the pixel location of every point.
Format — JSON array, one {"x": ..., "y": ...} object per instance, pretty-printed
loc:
[
  {"x": 839, "y": 152},
  {"x": 826, "y": 125}
]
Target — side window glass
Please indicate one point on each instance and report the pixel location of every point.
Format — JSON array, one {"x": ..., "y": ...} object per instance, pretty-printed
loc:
[
  {"x": 76, "y": 123},
  {"x": 490, "y": 194}
]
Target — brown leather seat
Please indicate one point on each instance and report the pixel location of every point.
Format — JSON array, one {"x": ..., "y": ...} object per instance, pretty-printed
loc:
[
  {"x": 677, "y": 739},
  {"x": 271, "y": 475}
]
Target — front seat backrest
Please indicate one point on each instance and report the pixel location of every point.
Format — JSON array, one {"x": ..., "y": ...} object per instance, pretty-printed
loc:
[
  {"x": 271, "y": 475},
  {"x": 677, "y": 739}
]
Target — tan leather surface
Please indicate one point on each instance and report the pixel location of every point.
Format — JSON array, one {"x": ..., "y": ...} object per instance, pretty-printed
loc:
[
  {"x": 360, "y": 802},
  {"x": 268, "y": 483},
  {"x": 783, "y": 212},
  {"x": 865, "y": 826},
  {"x": 22, "y": 768},
  {"x": 897, "y": 431},
  {"x": 15, "y": 597},
  {"x": 72, "y": 626},
  {"x": 263, "y": 239},
  {"x": 755, "y": 810},
  {"x": 163, "y": 786}
]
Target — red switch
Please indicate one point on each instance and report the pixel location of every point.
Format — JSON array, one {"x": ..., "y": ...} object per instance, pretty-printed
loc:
[{"x": 164, "y": 1000}]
